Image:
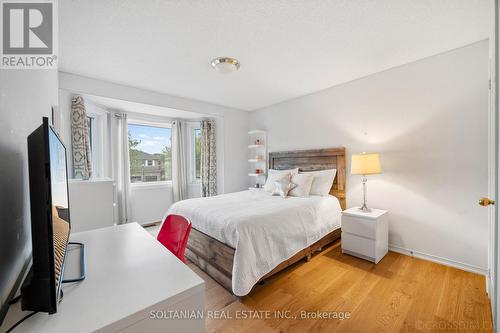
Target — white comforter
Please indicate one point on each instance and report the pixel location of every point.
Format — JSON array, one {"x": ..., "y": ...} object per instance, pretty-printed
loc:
[{"x": 264, "y": 230}]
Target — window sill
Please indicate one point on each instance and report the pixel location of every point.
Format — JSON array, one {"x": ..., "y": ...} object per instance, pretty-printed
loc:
[{"x": 152, "y": 185}]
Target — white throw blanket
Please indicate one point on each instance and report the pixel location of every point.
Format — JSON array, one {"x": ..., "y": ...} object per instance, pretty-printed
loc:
[{"x": 264, "y": 230}]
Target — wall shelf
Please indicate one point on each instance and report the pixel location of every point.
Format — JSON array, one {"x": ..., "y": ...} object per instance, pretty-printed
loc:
[
  {"x": 256, "y": 146},
  {"x": 256, "y": 132},
  {"x": 257, "y": 159},
  {"x": 255, "y": 188}
]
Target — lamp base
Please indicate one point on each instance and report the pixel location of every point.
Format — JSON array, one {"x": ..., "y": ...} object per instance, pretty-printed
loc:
[{"x": 365, "y": 208}]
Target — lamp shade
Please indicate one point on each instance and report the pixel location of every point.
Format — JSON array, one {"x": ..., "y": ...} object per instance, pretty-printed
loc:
[{"x": 365, "y": 164}]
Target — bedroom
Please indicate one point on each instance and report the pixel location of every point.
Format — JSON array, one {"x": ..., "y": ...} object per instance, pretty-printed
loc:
[{"x": 192, "y": 109}]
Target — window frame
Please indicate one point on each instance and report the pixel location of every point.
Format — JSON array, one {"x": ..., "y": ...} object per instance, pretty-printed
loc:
[
  {"x": 99, "y": 124},
  {"x": 191, "y": 127},
  {"x": 160, "y": 124},
  {"x": 91, "y": 131}
]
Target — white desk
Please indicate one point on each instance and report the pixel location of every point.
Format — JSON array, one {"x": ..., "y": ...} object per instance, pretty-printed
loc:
[{"x": 129, "y": 274}]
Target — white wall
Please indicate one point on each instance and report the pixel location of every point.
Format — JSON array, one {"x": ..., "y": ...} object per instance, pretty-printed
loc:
[
  {"x": 25, "y": 97},
  {"x": 231, "y": 131},
  {"x": 428, "y": 120},
  {"x": 148, "y": 202}
]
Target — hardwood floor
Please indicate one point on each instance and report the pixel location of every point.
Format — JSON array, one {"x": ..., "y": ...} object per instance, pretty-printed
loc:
[{"x": 399, "y": 294}]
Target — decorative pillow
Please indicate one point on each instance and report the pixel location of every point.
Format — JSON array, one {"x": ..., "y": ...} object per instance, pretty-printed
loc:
[
  {"x": 272, "y": 177},
  {"x": 291, "y": 171},
  {"x": 282, "y": 187},
  {"x": 322, "y": 181},
  {"x": 304, "y": 182}
]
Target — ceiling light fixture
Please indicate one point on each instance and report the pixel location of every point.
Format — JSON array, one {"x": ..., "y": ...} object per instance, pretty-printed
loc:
[{"x": 225, "y": 65}]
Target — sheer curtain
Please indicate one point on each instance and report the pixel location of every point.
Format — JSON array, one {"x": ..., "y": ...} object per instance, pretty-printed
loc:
[
  {"x": 208, "y": 159},
  {"x": 179, "y": 161},
  {"x": 80, "y": 141},
  {"x": 121, "y": 171}
]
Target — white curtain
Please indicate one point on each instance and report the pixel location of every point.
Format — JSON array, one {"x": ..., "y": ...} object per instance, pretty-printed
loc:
[
  {"x": 121, "y": 171},
  {"x": 179, "y": 161},
  {"x": 80, "y": 141},
  {"x": 208, "y": 159}
]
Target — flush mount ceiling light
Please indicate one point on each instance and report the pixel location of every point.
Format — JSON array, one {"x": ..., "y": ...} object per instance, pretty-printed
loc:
[{"x": 225, "y": 65}]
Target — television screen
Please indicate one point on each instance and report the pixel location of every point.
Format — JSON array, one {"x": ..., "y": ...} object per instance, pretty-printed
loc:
[
  {"x": 60, "y": 205},
  {"x": 50, "y": 219}
]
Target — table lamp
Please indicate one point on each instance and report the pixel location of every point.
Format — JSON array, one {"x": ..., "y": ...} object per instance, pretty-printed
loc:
[{"x": 365, "y": 164}]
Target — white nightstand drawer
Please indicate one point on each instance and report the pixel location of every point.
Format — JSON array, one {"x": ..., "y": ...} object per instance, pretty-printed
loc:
[
  {"x": 359, "y": 226},
  {"x": 365, "y": 234},
  {"x": 358, "y": 245}
]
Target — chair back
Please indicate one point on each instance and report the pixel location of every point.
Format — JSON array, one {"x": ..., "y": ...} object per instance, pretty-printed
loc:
[{"x": 174, "y": 234}]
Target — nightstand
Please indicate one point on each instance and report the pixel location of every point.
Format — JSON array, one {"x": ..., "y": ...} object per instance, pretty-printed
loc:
[{"x": 365, "y": 234}]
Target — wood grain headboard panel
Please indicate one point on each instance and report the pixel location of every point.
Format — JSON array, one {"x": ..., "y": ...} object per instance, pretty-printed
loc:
[{"x": 315, "y": 160}]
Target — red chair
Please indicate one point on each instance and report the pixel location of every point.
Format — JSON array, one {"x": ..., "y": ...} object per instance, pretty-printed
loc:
[{"x": 174, "y": 234}]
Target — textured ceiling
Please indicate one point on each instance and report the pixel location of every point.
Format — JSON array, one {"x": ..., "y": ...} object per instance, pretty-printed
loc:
[{"x": 287, "y": 48}]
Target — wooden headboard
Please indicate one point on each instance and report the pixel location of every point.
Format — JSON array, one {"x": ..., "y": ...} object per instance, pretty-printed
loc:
[{"x": 314, "y": 160}]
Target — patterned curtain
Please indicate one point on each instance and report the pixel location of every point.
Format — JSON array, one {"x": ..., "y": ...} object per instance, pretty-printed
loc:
[
  {"x": 208, "y": 159},
  {"x": 82, "y": 160}
]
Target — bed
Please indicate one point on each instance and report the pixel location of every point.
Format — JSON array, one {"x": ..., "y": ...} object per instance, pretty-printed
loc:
[{"x": 242, "y": 238}]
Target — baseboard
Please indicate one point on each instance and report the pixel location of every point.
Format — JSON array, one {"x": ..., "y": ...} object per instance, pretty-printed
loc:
[{"x": 439, "y": 260}]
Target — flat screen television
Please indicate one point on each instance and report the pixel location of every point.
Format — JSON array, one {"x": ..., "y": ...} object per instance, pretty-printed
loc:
[{"x": 50, "y": 219}]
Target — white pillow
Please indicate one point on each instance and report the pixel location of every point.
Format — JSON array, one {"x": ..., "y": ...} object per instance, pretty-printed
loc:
[
  {"x": 291, "y": 171},
  {"x": 273, "y": 177},
  {"x": 322, "y": 181},
  {"x": 304, "y": 182},
  {"x": 282, "y": 188}
]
